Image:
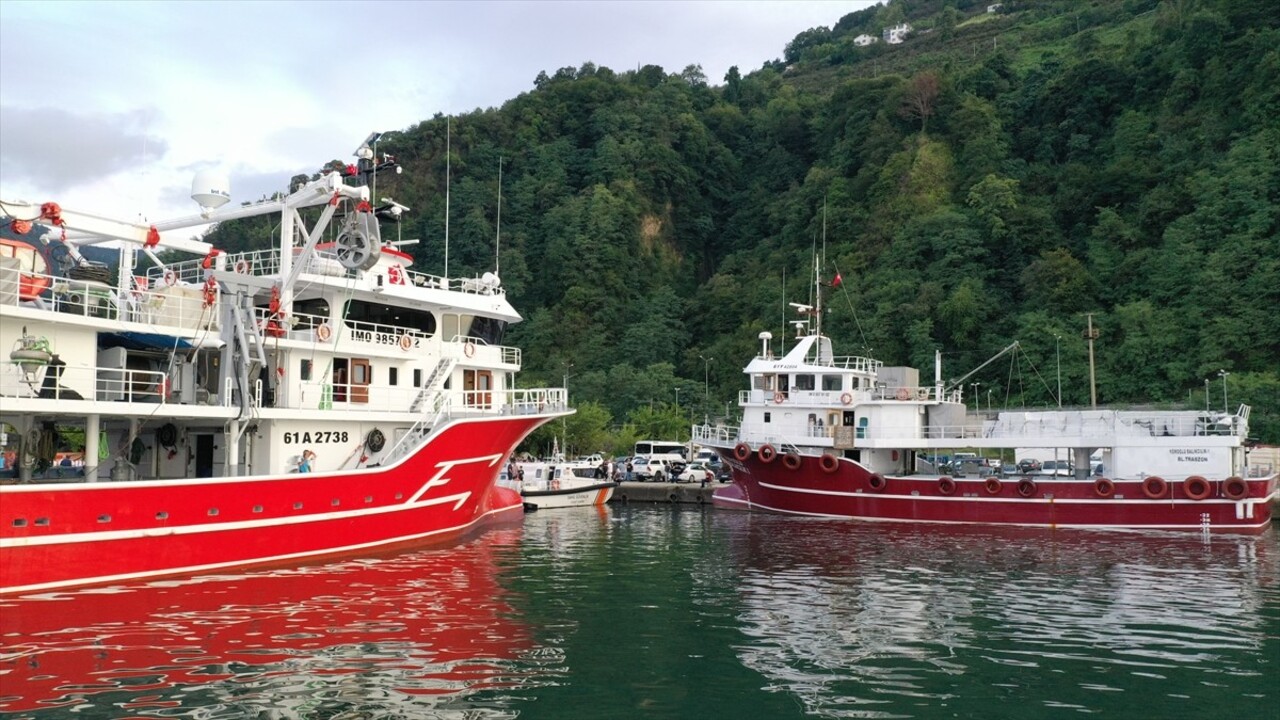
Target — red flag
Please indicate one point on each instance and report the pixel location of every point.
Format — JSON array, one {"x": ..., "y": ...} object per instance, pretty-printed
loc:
[{"x": 835, "y": 283}]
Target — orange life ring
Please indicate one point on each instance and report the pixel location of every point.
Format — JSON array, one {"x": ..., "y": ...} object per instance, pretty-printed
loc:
[
  {"x": 469, "y": 349},
  {"x": 766, "y": 453},
  {"x": 946, "y": 486},
  {"x": 1154, "y": 487},
  {"x": 243, "y": 267},
  {"x": 170, "y": 278},
  {"x": 1197, "y": 487},
  {"x": 903, "y": 394},
  {"x": 876, "y": 482},
  {"x": 1235, "y": 488},
  {"x": 846, "y": 398},
  {"x": 324, "y": 332},
  {"x": 792, "y": 461},
  {"x": 993, "y": 486},
  {"x": 1026, "y": 487},
  {"x": 406, "y": 342},
  {"x": 742, "y": 451},
  {"x": 779, "y": 397},
  {"x": 829, "y": 463},
  {"x": 1103, "y": 487}
]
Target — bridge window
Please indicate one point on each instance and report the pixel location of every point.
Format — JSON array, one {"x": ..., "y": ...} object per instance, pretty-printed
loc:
[
  {"x": 804, "y": 382},
  {"x": 360, "y": 311},
  {"x": 831, "y": 383}
]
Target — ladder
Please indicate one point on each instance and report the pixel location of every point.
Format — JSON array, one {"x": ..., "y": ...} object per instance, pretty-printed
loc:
[{"x": 429, "y": 388}]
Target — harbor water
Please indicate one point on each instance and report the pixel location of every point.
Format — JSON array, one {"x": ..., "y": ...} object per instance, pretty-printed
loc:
[{"x": 648, "y": 611}]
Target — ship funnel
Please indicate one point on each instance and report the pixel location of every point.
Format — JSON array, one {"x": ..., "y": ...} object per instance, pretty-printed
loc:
[{"x": 211, "y": 190}]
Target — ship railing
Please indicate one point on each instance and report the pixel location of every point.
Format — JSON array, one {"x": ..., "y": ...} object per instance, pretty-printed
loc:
[
  {"x": 833, "y": 398},
  {"x": 856, "y": 363},
  {"x": 722, "y": 435},
  {"x": 477, "y": 349},
  {"x": 355, "y": 397},
  {"x": 166, "y": 307},
  {"x": 67, "y": 382}
]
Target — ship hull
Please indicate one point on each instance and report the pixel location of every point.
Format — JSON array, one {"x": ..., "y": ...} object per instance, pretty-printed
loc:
[
  {"x": 849, "y": 491},
  {"x": 65, "y": 535}
]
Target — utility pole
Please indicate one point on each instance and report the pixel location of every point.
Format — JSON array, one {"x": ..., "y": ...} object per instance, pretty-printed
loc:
[
  {"x": 1092, "y": 335},
  {"x": 1224, "y": 375},
  {"x": 977, "y": 401},
  {"x": 1057, "y": 352},
  {"x": 706, "y": 365}
]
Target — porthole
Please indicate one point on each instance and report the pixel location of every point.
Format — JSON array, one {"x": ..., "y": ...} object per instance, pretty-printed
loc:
[
  {"x": 104, "y": 518},
  {"x": 399, "y": 496},
  {"x": 19, "y": 522},
  {"x": 257, "y": 508},
  {"x": 334, "y": 502},
  {"x": 42, "y": 522},
  {"x": 297, "y": 506},
  {"x": 368, "y": 499},
  {"x": 162, "y": 515},
  {"x": 213, "y": 511}
]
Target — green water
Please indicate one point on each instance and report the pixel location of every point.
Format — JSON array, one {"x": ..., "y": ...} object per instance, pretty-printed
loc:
[{"x": 681, "y": 612}]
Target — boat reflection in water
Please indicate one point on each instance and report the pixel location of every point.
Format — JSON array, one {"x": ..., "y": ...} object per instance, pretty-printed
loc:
[
  {"x": 381, "y": 637},
  {"x": 870, "y": 620}
]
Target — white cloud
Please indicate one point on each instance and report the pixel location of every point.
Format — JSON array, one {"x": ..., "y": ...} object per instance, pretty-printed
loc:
[{"x": 109, "y": 107}]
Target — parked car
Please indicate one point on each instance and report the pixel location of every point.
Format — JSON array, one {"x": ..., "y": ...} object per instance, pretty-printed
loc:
[
  {"x": 655, "y": 469},
  {"x": 1060, "y": 468},
  {"x": 1026, "y": 466},
  {"x": 695, "y": 471}
]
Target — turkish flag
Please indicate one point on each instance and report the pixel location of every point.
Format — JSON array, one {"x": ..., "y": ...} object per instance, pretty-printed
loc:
[{"x": 835, "y": 283}]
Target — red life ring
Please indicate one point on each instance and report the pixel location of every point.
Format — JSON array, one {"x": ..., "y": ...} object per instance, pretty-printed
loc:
[
  {"x": 846, "y": 398},
  {"x": 243, "y": 267},
  {"x": 1197, "y": 488},
  {"x": 766, "y": 453},
  {"x": 1154, "y": 487},
  {"x": 742, "y": 451},
  {"x": 993, "y": 486},
  {"x": 469, "y": 349},
  {"x": 779, "y": 397},
  {"x": 1026, "y": 487},
  {"x": 324, "y": 332},
  {"x": 876, "y": 482},
  {"x": 406, "y": 342},
  {"x": 792, "y": 461},
  {"x": 1103, "y": 487},
  {"x": 170, "y": 278},
  {"x": 903, "y": 394},
  {"x": 829, "y": 463},
  {"x": 1235, "y": 488},
  {"x": 946, "y": 486}
]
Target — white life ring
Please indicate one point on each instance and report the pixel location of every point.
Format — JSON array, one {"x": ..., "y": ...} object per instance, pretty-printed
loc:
[
  {"x": 406, "y": 342},
  {"x": 324, "y": 332},
  {"x": 846, "y": 398},
  {"x": 469, "y": 349},
  {"x": 903, "y": 394},
  {"x": 170, "y": 278},
  {"x": 242, "y": 267}
]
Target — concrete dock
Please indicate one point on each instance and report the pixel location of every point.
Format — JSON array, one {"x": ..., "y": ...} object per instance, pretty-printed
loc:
[{"x": 664, "y": 492}]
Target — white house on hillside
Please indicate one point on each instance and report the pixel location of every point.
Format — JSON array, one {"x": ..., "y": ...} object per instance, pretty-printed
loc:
[
  {"x": 896, "y": 34},
  {"x": 864, "y": 40}
]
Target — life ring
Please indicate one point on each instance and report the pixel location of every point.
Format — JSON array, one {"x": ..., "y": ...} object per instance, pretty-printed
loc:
[
  {"x": 946, "y": 486},
  {"x": 555, "y": 484},
  {"x": 170, "y": 278},
  {"x": 742, "y": 451},
  {"x": 243, "y": 267},
  {"x": 993, "y": 486},
  {"x": 469, "y": 349},
  {"x": 876, "y": 482},
  {"x": 1102, "y": 487},
  {"x": 846, "y": 398},
  {"x": 766, "y": 453},
  {"x": 792, "y": 460},
  {"x": 779, "y": 397},
  {"x": 829, "y": 463},
  {"x": 1235, "y": 488},
  {"x": 375, "y": 440},
  {"x": 406, "y": 342},
  {"x": 1154, "y": 487},
  {"x": 324, "y": 332},
  {"x": 903, "y": 394},
  {"x": 1026, "y": 487},
  {"x": 1197, "y": 487}
]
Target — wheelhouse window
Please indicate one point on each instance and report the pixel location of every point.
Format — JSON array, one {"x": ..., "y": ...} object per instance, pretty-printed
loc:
[
  {"x": 489, "y": 330},
  {"x": 311, "y": 312},
  {"x": 804, "y": 382},
  {"x": 831, "y": 382},
  {"x": 360, "y": 311}
]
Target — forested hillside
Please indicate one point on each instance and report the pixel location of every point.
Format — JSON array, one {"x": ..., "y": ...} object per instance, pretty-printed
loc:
[{"x": 996, "y": 177}]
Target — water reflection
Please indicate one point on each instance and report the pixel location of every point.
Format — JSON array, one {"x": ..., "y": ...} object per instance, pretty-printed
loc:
[
  {"x": 860, "y": 620},
  {"x": 413, "y": 634}
]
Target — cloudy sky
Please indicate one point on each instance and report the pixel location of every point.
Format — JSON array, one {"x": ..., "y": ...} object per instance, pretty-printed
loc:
[{"x": 110, "y": 107}]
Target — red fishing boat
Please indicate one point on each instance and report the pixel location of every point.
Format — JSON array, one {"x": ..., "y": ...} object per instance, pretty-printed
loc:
[
  {"x": 271, "y": 406},
  {"x": 846, "y": 436}
]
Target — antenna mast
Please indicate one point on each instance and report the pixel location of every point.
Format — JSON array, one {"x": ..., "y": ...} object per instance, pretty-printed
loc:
[
  {"x": 448, "y": 160},
  {"x": 497, "y": 236}
]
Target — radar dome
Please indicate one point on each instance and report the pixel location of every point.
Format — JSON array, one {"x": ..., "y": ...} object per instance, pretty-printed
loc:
[{"x": 210, "y": 189}]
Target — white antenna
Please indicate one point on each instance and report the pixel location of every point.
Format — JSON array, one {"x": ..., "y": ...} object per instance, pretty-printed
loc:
[
  {"x": 497, "y": 236},
  {"x": 448, "y": 159}
]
